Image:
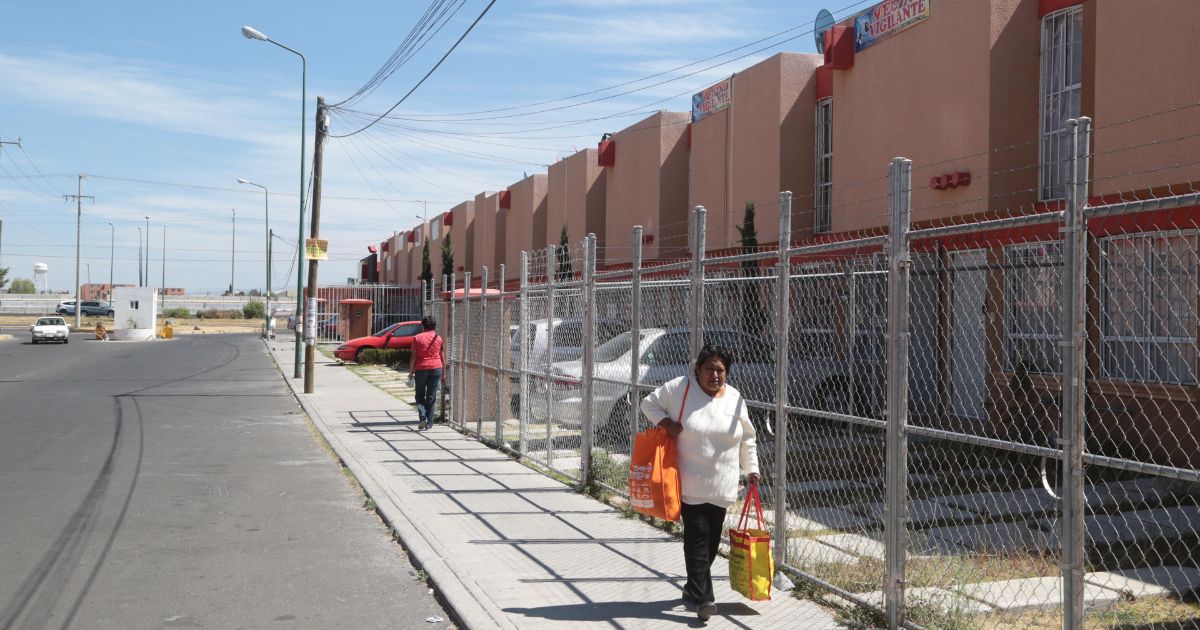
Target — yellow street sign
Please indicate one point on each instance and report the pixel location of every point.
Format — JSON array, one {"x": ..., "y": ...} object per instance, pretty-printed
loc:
[{"x": 316, "y": 249}]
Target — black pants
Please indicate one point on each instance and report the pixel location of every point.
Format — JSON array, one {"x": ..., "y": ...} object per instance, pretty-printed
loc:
[{"x": 703, "y": 527}]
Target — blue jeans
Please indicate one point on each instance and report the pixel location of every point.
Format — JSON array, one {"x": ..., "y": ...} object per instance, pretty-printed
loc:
[{"x": 427, "y": 382}]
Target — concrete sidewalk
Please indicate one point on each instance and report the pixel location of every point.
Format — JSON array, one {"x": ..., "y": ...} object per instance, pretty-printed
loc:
[{"x": 505, "y": 546}]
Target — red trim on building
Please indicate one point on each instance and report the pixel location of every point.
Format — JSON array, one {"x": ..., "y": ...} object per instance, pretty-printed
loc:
[
  {"x": 824, "y": 82},
  {"x": 372, "y": 249},
  {"x": 839, "y": 48},
  {"x": 505, "y": 200},
  {"x": 448, "y": 219},
  {"x": 1046, "y": 7},
  {"x": 606, "y": 153}
]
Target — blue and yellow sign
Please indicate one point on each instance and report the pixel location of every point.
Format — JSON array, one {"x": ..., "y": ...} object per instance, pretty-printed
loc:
[{"x": 886, "y": 19}]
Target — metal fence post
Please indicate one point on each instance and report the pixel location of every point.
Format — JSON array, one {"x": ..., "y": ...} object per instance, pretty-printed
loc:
[
  {"x": 523, "y": 360},
  {"x": 696, "y": 323},
  {"x": 1074, "y": 375},
  {"x": 635, "y": 341},
  {"x": 545, "y": 373},
  {"x": 899, "y": 264},
  {"x": 455, "y": 335},
  {"x": 501, "y": 340},
  {"x": 589, "y": 343},
  {"x": 782, "y": 329},
  {"x": 466, "y": 306},
  {"x": 483, "y": 323}
]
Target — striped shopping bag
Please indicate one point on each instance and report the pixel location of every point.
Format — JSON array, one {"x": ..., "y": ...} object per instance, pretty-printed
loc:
[{"x": 750, "y": 564}]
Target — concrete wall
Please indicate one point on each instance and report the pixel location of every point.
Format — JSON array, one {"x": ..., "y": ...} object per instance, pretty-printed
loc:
[
  {"x": 575, "y": 197},
  {"x": 461, "y": 234},
  {"x": 1145, "y": 64},
  {"x": 770, "y": 122},
  {"x": 487, "y": 204},
  {"x": 522, "y": 231},
  {"x": 647, "y": 186}
]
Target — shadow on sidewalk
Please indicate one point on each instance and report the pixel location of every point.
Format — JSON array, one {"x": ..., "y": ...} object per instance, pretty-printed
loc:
[{"x": 614, "y": 612}]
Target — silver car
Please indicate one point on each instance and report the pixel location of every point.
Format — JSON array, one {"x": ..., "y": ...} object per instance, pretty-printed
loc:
[{"x": 665, "y": 353}]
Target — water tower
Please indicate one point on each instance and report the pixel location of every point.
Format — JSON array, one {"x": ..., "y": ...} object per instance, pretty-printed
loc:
[{"x": 41, "y": 283}]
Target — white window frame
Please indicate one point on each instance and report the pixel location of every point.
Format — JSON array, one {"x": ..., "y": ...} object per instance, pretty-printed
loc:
[
  {"x": 823, "y": 166},
  {"x": 435, "y": 229},
  {"x": 1035, "y": 270},
  {"x": 1152, "y": 289},
  {"x": 1061, "y": 79}
]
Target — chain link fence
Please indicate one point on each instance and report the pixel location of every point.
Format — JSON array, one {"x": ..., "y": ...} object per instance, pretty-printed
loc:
[{"x": 984, "y": 424}]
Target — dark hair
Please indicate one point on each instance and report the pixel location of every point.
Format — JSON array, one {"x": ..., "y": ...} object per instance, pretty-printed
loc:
[
  {"x": 427, "y": 323},
  {"x": 712, "y": 351}
]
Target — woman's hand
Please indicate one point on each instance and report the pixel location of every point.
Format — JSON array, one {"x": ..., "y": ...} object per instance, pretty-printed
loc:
[
  {"x": 753, "y": 478},
  {"x": 673, "y": 428}
]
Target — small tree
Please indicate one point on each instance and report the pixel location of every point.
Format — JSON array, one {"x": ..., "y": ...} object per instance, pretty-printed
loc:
[
  {"x": 564, "y": 257},
  {"x": 447, "y": 257},
  {"x": 753, "y": 311},
  {"x": 3, "y": 276},
  {"x": 254, "y": 310},
  {"x": 427, "y": 269},
  {"x": 22, "y": 285}
]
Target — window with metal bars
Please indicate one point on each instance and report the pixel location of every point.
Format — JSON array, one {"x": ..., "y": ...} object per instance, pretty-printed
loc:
[
  {"x": 823, "y": 181},
  {"x": 1149, "y": 316},
  {"x": 1061, "y": 78},
  {"x": 1033, "y": 307}
]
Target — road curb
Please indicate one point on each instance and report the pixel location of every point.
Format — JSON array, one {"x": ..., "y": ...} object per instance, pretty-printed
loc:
[{"x": 464, "y": 606}]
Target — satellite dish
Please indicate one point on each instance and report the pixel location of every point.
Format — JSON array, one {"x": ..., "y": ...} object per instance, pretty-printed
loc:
[{"x": 823, "y": 23}]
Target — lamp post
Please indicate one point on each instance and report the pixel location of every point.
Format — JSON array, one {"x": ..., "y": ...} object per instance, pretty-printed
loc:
[
  {"x": 267, "y": 226},
  {"x": 251, "y": 33},
  {"x": 147, "y": 251},
  {"x": 140, "y": 256},
  {"x": 164, "y": 268}
]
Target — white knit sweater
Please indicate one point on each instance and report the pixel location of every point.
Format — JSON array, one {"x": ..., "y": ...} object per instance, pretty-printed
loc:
[{"x": 717, "y": 441}]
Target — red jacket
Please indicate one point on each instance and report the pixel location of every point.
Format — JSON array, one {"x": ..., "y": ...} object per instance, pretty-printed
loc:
[{"x": 427, "y": 351}]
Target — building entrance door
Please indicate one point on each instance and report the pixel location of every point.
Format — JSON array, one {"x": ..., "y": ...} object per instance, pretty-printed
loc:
[{"x": 968, "y": 363}]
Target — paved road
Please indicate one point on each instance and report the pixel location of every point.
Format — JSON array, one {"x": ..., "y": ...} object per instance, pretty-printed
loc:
[{"x": 175, "y": 484}]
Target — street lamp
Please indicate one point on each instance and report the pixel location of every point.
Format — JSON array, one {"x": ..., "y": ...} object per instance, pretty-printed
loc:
[
  {"x": 267, "y": 226},
  {"x": 147, "y": 252},
  {"x": 251, "y": 33}
]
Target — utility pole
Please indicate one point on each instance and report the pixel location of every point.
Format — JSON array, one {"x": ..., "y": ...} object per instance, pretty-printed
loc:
[
  {"x": 78, "y": 197},
  {"x": 164, "y": 266},
  {"x": 112, "y": 256},
  {"x": 310, "y": 350},
  {"x": 147, "y": 251},
  {"x": 233, "y": 251},
  {"x": 140, "y": 283}
]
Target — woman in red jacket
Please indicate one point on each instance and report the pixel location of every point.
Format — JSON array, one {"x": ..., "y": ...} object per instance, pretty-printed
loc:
[{"x": 426, "y": 369}]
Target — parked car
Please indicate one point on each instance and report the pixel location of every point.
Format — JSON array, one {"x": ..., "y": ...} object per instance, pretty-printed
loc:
[
  {"x": 50, "y": 329},
  {"x": 568, "y": 340},
  {"x": 87, "y": 307},
  {"x": 665, "y": 353},
  {"x": 398, "y": 336}
]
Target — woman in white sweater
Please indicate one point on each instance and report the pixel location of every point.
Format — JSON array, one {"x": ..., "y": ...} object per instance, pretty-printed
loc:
[{"x": 711, "y": 425}]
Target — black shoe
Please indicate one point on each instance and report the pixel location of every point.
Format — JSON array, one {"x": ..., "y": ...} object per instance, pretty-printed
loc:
[
  {"x": 706, "y": 611},
  {"x": 690, "y": 599}
]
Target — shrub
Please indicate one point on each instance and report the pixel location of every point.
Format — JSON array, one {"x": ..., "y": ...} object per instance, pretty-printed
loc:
[
  {"x": 177, "y": 313},
  {"x": 213, "y": 313},
  {"x": 391, "y": 356},
  {"x": 254, "y": 310}
]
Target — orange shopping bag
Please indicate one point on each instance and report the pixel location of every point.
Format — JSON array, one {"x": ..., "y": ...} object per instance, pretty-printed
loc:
[
  {"x": 751, "y": 567},
  {"x": 654, "y": 472},
  {"x": 654, "y": 475}
]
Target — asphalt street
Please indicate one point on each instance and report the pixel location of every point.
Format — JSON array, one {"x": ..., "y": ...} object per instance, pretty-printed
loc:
[{"x": 175, "y": 484}]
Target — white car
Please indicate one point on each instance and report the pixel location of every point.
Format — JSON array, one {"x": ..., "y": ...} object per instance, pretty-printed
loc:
[
  {"x": 50, "y": 329},
  {"x": 666, "y": 354}
]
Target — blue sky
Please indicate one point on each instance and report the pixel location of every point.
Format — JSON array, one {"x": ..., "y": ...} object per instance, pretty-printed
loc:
[{"x": 164, "y": 105}]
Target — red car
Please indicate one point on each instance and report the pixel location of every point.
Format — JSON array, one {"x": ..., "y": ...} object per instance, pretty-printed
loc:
[{"x": 395, "y": 336}]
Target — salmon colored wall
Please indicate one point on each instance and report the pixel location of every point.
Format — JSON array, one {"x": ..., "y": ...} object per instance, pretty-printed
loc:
[
  {"x": 528, "y": 208},
  {"x": 648, "y": 186},
  {"x": 922, "y": 94},
  {"x": 436, "y": 226},
  {"x": 502, "y": 242},
  {"x": 1009, "y": 183},
  {"x": 460, "y": 233},
  {"x": 771, "y": 120},
  {"x": 487, "y": 204},
  {"x": 1146, "y": 55},
  {"x": 575, "y": 197}
]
